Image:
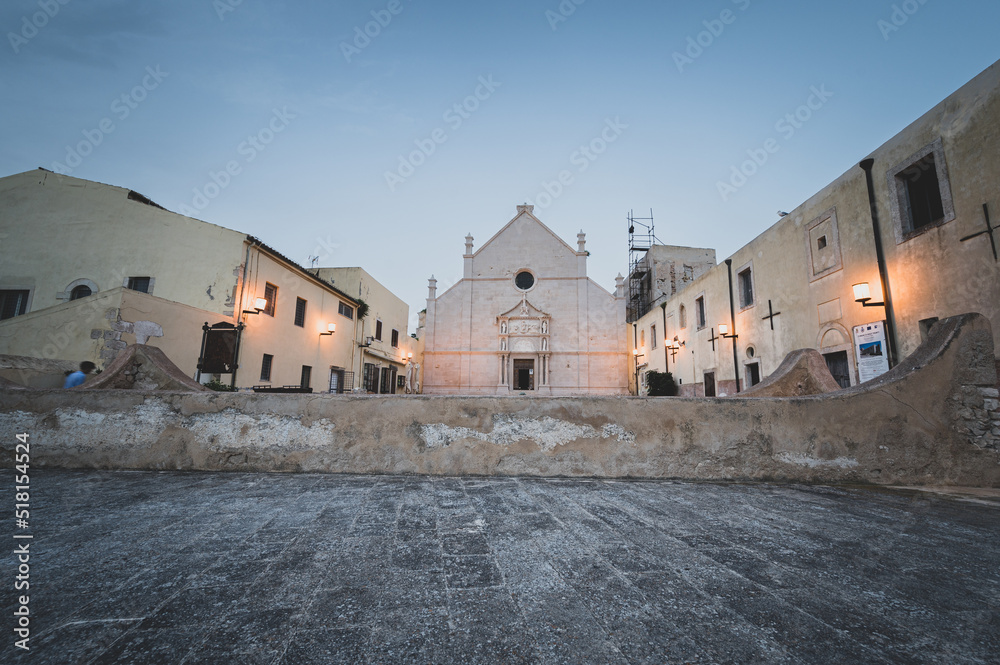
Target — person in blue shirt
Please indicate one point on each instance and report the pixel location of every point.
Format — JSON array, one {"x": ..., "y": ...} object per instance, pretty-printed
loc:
[{"x": 79, "y": 376}]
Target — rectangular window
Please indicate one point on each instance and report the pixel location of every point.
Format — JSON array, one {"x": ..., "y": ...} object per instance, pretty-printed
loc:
[
  {"x": 306, "y": 380},
  {"x": 13, "y": 303},
  {"x": 920, "y": 194},
  {"x": 395, "y": 338},
  {"x": 370, "y": 378},
  {"x": 346, "y": 310},
  {"x": 378, "y": 330},
  {"x": 300, "y": 312},
  {"x": 265, "y": 367},
  {"x": 140, "y": 284},
  {"x": 923, "y": 193},
  {"x": 271, "y": 296},
  {"x": 699, "y": 311},
  {"x": 746, "y": 288},
  {"x": 652, "y": 336}
]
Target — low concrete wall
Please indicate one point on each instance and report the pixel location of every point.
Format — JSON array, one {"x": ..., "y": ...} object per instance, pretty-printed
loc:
[{"x": 932, "y": 420}]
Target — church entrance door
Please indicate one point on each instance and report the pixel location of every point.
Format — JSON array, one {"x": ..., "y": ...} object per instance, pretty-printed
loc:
[{"x": 524, "y": 375}]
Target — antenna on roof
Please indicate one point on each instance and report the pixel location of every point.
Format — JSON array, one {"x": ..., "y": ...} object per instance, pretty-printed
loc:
[{"x": 313, "y": 260}]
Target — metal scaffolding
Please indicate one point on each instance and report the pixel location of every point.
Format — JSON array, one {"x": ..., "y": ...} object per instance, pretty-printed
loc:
[{"x": 641, "y": 237}]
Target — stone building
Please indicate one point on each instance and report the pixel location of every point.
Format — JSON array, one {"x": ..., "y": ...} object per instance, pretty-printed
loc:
[
  {"x": 525, "y": 318},
  {"x": 87, "y": 268},
  {"x": 384, "y": 353},
  {"x": 933, "y": 194}
]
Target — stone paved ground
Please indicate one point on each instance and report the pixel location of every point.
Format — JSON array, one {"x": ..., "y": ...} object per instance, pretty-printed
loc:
[{"x": 294, "y": 569}]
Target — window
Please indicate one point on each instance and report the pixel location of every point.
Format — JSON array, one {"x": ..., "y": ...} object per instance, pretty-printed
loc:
[
  {"x": 271, "y": 296},
  {"x": 823, "y": 245},
  {"x": 920, "y": 195},
  {"x": 140, "y": 284},
  {"x": 395, "y": 338},
  {"x": 652, "y": 337},
  {"x": 821, "y": 242},
  {"x": 300, "y": 312},
  {"x": 81, "y": 291},
  {"x": 683, "y": 317},
  {"x": 13, "y": 303},
  {"x": 923, "y": 193},
  {"x": 642, "y": 339},
  {"x": 699, "y": 311},
  {"x": 378, "y": 330},
  {"x": 346, "y": 310},
  {"x": 370, "y": 378},
  {"x": 306, "y": 380},
  {"x": 524, "y": 280},
  {"x": 265, "y": 367},
  {"x": 746, "y": 288}
]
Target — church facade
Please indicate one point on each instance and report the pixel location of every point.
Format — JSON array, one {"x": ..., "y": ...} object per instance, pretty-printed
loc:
[{"x": 525, "y": 318}]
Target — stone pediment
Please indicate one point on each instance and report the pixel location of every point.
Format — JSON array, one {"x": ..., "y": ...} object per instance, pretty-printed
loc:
[{"x": 524, "y": 310}]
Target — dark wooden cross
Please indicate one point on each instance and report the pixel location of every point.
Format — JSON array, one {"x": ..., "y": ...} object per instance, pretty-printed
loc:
[
  {"x": 989, "y": 230},
  {"x": 770, "y": 314},
  {"x": 712, "y": 338}
]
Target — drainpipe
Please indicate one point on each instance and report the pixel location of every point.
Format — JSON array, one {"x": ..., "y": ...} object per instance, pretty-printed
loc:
[
  {"x": 666, "y": 354},
  {"x": 883, "y": 273},
  {"x": 732, "y": 317},
  {"x": 635, "y": 360}
]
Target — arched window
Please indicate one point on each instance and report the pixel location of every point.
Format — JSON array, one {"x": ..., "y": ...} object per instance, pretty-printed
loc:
[{"x": 81, "y": 291}]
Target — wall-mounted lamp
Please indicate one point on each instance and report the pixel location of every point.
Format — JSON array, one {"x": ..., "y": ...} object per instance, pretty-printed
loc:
[
  {"x": 259, "y": 306},
  {"x": 408, "y": 357},
  {"x": 724, "y": 331},
  {"x": 330, "y": 329},
  {"x": 863, "y": 295}
]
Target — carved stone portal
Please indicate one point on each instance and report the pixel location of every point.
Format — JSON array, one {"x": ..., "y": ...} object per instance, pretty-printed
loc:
[{"x": 523, "y": 343}]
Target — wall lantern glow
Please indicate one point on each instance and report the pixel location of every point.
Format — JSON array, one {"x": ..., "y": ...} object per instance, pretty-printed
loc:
[
  {"x": 724, "y": 331},
  {"x": 863, "y": 295},
  {"x": 260, "y": 304},
  {"x": 330, "y": 329}
]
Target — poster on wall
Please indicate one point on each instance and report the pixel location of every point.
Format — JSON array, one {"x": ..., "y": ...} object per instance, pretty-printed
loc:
[{"x": 870, "y": 348}]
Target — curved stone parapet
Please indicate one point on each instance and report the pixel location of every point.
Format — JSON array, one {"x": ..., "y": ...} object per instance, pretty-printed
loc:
[
  {"x": 802, "y": 372},
  {"x": 933, "y": 420},
  {"x": 143, "y": 367}
]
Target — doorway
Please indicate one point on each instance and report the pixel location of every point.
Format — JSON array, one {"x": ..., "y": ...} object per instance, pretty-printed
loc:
[
  {"x": 839, "y": 367},
  {"x": 524, "y": 375},
  {"x": 709, "y": 384},
  {"x": 753, "y": 374}
]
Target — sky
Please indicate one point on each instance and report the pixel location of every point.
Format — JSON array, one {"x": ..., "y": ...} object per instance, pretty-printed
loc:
[{"x": 379, "y": 133}]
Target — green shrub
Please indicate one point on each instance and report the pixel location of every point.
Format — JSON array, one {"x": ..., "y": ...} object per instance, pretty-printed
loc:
[{"x": 661, "y": 384}]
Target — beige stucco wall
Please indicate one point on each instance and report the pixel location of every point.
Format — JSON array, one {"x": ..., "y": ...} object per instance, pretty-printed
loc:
[
  {"x": 291, "y": 346},
  {"x": 82, "y": 230},
  {"x": 933, "y": 274},
  {"x": 383, "y": 306},
  {"x": 462, "y": 340}
]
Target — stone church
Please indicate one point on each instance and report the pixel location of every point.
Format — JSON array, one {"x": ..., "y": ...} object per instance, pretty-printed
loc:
[{"x": 525, "y": 318}]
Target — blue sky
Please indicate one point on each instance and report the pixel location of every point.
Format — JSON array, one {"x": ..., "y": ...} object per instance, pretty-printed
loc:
[{"x": 286, "y": 121}]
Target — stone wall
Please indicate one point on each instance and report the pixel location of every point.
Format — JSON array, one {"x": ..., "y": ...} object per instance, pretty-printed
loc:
[{"x": 910, "y": 426}]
